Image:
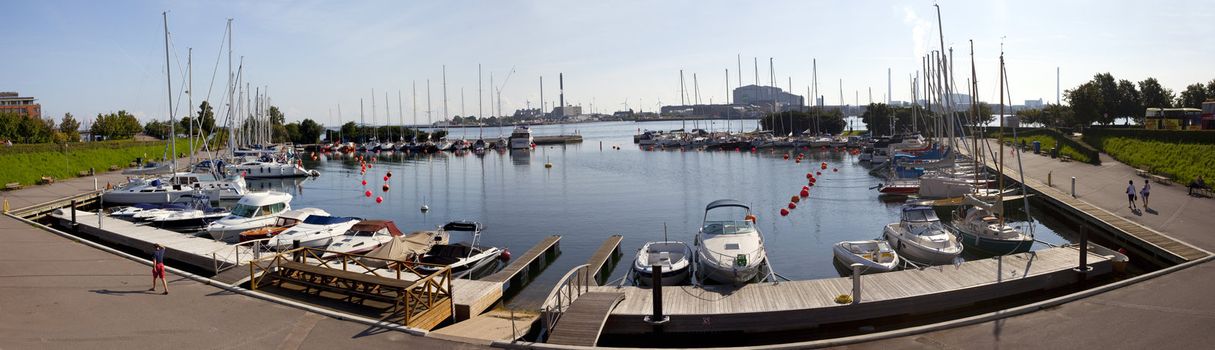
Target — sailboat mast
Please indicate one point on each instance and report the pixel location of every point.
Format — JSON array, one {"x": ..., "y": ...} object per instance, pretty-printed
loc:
[
  {"x": 400, "y": 117},
  {"x": 1000, "y": 194},
  {"x": 428, "y": 123},
  {"x": 375, "y": 132},
  {"x": 190, "y": 98},
  {"x": 169, "y": 84}
]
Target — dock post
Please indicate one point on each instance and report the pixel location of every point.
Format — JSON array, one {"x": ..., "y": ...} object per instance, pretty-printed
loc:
[
  {"x": 1073, "y": 187},
  {"x": 856, "y": 283},
  {"x": 656, "y": 281},
  {"x": 73, "y": 215},
  {"x": 1083, "y": 268},
  {"x": 1048, "y": 177},
  {"x": 295, "y": 250}
]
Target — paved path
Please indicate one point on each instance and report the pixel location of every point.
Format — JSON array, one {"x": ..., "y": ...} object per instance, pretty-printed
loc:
[{"x": 1175, "y": 311}]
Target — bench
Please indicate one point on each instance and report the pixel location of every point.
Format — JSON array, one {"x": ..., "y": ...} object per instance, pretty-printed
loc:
[
  {"x": 1203, "y": 192},
  {"x": 114, "y": 167},
  {"x": 12, "y": 186},
  {"x": 1163, "y": 180},
  {"x": 364, "y": 286},
  {"x": 1142, "y": 173},
  {"x": 46, "y": 180},
  {"x": 1065, "y": 158}
]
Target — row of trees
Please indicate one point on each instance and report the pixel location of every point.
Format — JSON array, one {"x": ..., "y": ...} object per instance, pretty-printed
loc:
[
  {"x": 21, "y": 129},
  {"x": 351, "y": 131},
  {"x": 880, "y": 118},
  {"x": 784, "y": 123},
  {"x": 1104, "y": 99}
]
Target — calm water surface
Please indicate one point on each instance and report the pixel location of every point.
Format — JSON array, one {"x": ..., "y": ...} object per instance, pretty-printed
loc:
[{"x": 592, "y": 192}]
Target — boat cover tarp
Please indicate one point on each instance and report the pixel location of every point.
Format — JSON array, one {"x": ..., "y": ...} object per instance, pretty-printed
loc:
[{"x": 727, "y": 203}]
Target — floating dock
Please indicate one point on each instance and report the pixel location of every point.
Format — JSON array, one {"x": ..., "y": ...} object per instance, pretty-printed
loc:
[
  {"x": 472, "y": 297},
  {"x": 200, "y": 252},
  {"x": 557, "y": 139}
]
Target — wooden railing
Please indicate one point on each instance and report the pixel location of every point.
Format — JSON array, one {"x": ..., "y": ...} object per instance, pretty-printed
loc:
[{"x": 569, "y": 288}]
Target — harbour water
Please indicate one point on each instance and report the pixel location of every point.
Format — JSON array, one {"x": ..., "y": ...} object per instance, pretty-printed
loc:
[{"x": 595, "y": 191}]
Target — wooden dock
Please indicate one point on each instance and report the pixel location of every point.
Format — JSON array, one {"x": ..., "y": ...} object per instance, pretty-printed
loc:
[
  {"x": 557, "y": 139},
  {"x": 581, "y": 324},
  {"x": 794, "y": 305},
  {"x": 200, "y": 252},
  {"x": 1155, "y": 245},
  {"x": 604, "y": 259},
  {"x": 472, "y": 297},
  {"x": 499, "y": 325}
]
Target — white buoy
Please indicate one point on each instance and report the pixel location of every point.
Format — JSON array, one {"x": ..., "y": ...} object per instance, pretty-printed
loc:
[{"x": 425, "y": 208}]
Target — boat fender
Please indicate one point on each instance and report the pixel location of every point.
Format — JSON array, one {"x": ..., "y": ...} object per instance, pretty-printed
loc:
[
  {"x": 505, "y": 255},
  {"x": 751, "y": 218}
]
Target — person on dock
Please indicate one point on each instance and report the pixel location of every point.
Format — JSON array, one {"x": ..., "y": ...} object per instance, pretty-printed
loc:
[
  {"x": 1130, "y": 194},
  {"x": 1147, "y": 190},
  {"x": 158, "y": 268}
]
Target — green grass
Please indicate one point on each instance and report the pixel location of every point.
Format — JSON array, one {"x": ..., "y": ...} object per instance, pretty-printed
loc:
[
  {"x": 1179, "y": 161},
  {"x": 1048, "y": 142},
  {"x": 25, "y": 164},
  {"x": 854, "y": 133}
]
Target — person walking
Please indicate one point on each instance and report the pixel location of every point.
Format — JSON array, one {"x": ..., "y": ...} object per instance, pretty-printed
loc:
[
  {"x": 1130, "y": 194},
  {"x": 158, "y": 268},
  {"x": 1147, "y": 190}
]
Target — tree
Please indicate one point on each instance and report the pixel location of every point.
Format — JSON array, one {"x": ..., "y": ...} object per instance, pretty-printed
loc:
[
  {"x": 877, "y": 118},
  {"x": 310, "y": 132},
  {"x": 276, "y": 116},
  {"x": 1130, "y": 101},
  {"x": 1109, "y": 100},
  {"x": 156, "y": 129},
  {"x": 70, "y": 128},
  {"x": 116, "y": 126},
  {"x": 1058, "y": 115},
  {"x": 206, "y": 117},
  {"x": 1154, "y": 95},
  {"x": 1031, "y": 116},
  {"x": 1193, "y": 96},
  {"x": 1085, "y": 101},
  {"x": 292, "y": 131},
  {"x": 350, "y": 131}
]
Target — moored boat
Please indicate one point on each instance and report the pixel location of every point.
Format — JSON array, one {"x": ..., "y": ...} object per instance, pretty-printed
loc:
[
  {"x": 674, "y": 257},
  {"x": 876, "y": 255},
  {"x": 729, "y": 247},
  {"x": 919, "y": 236}
]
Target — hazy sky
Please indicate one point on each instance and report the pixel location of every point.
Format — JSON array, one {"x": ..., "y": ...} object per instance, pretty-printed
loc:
[{"x": 87, "y": 57}]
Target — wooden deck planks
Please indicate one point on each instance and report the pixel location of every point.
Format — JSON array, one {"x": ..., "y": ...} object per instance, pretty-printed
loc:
[
  {"x": 521, "y": 263},
  {"x": 606, "y": 251},
  {"x": 181, "y": 247},
  {"x": 581, "y": 324}
]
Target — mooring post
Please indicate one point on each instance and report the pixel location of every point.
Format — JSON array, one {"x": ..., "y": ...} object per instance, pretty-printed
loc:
[
  {"x": 656, "y": 281},
  {"x": 856, "y": 283},
  {"x": 1048, "y": 178},
  {"x": 295, "y": 250},
  {"x": 73, "y": 215},
  {"x": 1083, "y": 268},
  {"x": 1073, "y": 187}
]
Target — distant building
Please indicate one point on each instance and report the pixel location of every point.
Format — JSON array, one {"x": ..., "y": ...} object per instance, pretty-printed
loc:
[
  {"x": 565, "y": 112},
  {"x": 623, "y": 114},
  {"x": 24, "y": 106},
  {"x": 528, "y": 113},
  {"x": 1033, "y": 104},
  {"x": 773, "y": 97}
]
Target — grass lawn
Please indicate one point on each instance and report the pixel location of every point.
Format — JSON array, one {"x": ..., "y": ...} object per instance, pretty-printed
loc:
[
  {"x": 1048, "y": 142},
  {"x": 1179, "y": 161},
  {"x": 25, "y": 164}
]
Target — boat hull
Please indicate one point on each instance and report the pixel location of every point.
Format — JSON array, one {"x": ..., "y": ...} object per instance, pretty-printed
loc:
[
  {"x": 992, "y": 246},
  {"x": 669, "y": 278}
]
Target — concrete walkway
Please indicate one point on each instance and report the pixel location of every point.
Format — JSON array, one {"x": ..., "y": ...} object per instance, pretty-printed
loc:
[{"x": 1174, "y": 311}]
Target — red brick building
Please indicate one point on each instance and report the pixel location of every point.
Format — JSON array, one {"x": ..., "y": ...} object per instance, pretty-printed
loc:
[{"x": 15, "y": 103}]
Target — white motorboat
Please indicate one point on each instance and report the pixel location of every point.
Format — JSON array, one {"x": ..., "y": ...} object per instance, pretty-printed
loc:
[
  {"x": 521, "y": 138},
  {"x": 282, "y": 222},
  {"x": 363, "y": 237},
  {"x": 674, "y": 257},
  {"x": 316, "y": 231},
  {"x": 267, "y": 170},
  {"x": 130, "y": 211},
  {"x": 919, "y": 236},
  {"x": 198, "y": 215},
  {"x": 254, "y": 210},
  {"x": 729, "y": 248},
  {"x": 876, "y": 255},
  {"x": 171, "y": 188},
  {"x": 461, "y": 251}
]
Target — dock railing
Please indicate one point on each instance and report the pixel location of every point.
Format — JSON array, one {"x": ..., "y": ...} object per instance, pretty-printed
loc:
[
  {"x": 569, "y": 288},
  {"x": 232, "y": 256}
]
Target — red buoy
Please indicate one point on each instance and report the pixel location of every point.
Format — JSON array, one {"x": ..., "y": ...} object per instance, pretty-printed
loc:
[
  {"x": 379, "y": 199},
  {"x": 784, "y": 212},
  {"x": 805, "y": 193},
  {"x": 805, "y": 188},
  {"x": 835, "y": 170},
  {"x": 794, "y": 199},
  {"x": 504, "y": 256},
  {"x": 818, "y": 173},
  {"x": 809, "y": 175},
  {"x": 792, "y": 205},
  {"x": 367, "y": 193},
  {"x": 385, "y": 177},
  {"x": 384, "y": 188},
  {"x": 786, "y": 156},
  {"x": 364, "y": 182},
  {"x": 389, "y": 174}
]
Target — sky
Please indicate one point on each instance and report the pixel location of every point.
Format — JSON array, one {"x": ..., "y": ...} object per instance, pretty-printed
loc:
[{"x": 90, "y": 57}]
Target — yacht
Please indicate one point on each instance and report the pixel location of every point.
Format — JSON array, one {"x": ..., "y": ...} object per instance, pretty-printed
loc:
[
  {"x": 729, "y": 248},
  {"x": 316, "y": 231},
  {"x": 919, "y": 236},
  {"x": 981, "y": 229},
  {"x": 462, "y": 251},
  {"x": 674, "y": 257},
  {"x": 282, "y": 222},
  {"x": 363, "y": 237},
  {"x": 254, "y": 210},
  {"x": 170, "y": 189},
  {"x": 271, "y": 169},
  {"x": 521, "y": 138}
]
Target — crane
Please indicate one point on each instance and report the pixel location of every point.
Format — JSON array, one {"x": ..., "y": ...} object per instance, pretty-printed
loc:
[{"x": 503, "y": 86}]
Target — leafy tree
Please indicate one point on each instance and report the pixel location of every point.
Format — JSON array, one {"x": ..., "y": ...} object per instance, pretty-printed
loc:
[
  {"x": 1031, "y": 116},
  {"x": 276, "y": 116},
  {"x": 1193, "y": 96},
  {"x": 1130, "y": 101},
  {"x": 350, "y": 131},
  {"x": 1085, "y": 101},
  {"x": 1109, "y": 99},
  {"x": 877, "y": 118},
  {"x": 1154, "y": 95},
  {"x": 116, "y": 126},
  {"x": 831, "y": 122},
  {"x": 310, "y": 132},
  {"x": 1058, "y": 115},
  {"x": 157, "y": 129},
  {"x": 70, "y": 128},
  {"x": 292, "y": 131},
  {"x": 206, "y": 117}
]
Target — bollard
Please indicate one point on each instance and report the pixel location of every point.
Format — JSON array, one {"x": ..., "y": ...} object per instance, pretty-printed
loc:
[
  {"x": 295, "y": 252},
  {"x": 6, "y": 205},
  {"x": 95, "y": 188},
  {"x": 73, "y": 215},
  {"x": 656, "y": 281},
  {"x": 1083, "y": 268},
  {"x": 1048, "y": 176},
  {"x": 856, "y": 283},
  {"x": 1073, "y": 187}
]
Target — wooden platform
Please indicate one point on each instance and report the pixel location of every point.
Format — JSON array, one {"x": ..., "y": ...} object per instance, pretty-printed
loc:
[
  {"x": 472, "y": 297},
  {"x": 609, "y": 251},
  {"x": 781, "y": 306},
  {"x": 557, "y": 139},
  {"x": 581, "y": 324},
  {"x": 496, "y": 325},
  {"x": 524, "y": 262},
  {"x": 199, "y": 252}
]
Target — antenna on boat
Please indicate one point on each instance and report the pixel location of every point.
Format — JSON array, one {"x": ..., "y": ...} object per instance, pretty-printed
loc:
[{"x": 664, "y": 232}]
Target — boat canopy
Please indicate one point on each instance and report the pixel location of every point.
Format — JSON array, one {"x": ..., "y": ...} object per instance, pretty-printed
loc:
[
  {"x": 727, "y": 203},
  {"x": 325, "y": 220},
  {"x": 265, "y": 198},
  {"x": 463, "y": 225},
  {"x": 376, "y": 225},
  {"x": 919, "y": 214}
]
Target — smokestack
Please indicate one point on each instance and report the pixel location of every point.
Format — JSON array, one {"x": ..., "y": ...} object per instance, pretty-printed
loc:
[
  {"x": 888, "y": 90},
  {"x": 561, "y": 88}
]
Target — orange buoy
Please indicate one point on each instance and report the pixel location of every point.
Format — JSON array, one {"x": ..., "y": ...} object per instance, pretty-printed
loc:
[
  {"x": 794, "y": 199},
  {"x": 792, "y": 205},
  {"x": 805, "y": 193},
  {"x": 751, "y": 218},
  {"x": 367, "y": 193},
  {"x": 784, "y": 212},
  {"x": 379, "y": 199}
]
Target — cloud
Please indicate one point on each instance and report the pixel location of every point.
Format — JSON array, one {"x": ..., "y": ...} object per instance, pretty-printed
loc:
[{"x": 919, "y": 31}]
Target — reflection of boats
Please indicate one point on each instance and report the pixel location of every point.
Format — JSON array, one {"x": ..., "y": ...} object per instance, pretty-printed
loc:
[
  {"x": 920, "y": 236},
  {"x": 316, "y": 231},
  {"x": 363, "y": 237},
  {"x": 282, "y": 222},
  {"x": 876, "y": 255},
  {"x": 461, "y": 251},
  {"x": 521, "y": 138},
  {"x": 254, "y": 210},
  {"x": 980, "y": 228},
  {"x": 674, "y": 257},
  {"x": 729, "y": 248}
]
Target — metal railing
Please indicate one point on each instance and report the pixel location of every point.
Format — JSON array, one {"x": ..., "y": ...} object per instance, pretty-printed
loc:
[
  {"x": 230, "y": 256},
  {"x": 575, "y": 283}
]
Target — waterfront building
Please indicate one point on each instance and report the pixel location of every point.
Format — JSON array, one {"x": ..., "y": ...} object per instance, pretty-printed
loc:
[
  {"x": 24, "y": 106},
  {"x": 773, "y": 97}
]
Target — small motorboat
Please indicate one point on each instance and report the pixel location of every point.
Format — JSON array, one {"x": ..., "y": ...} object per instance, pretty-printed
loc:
[
  {"x": 282, "y": 222},
  {"x": 254, "y": 210},
  {"x": 729, "y": 246},
  {"x": 461, "y": 253},
  {"x": 919, "y": 236},
  {"x": 408, "y": 247},
  {"x": 198, "y": 214},
  {"x": 876, "y": 255},
  {"x": 316, "y": 231},
  {"x": 363, "y": 237},
  {"x": 674, "y": 257}
]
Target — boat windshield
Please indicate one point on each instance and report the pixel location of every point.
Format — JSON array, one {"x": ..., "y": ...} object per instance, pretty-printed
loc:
[
  {"x": 920, "y": 215},
  {"x": 727, "y": 220},
  {"x": 244, "y": 211}
]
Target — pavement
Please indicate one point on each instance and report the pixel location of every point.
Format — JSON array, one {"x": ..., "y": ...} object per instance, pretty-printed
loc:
[{"x": 1173, "y": 311}]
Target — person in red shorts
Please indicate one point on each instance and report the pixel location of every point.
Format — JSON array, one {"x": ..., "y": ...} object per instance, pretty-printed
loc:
[{"x": 158, "y": 268}]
